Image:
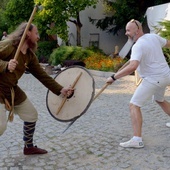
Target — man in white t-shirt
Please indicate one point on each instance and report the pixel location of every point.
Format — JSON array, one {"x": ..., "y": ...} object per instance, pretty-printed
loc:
[
  {"x": 148, "y": 59},
  {"x": 4, "y": 35}
]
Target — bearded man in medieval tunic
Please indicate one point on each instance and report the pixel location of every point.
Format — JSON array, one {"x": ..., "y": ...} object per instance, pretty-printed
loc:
[{"x": 12, "y": 97}]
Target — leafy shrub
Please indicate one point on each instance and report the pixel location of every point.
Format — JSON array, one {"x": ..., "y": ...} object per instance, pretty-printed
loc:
[
  {"x": 96, "y": 50},
  {"x": 45, "y": 49},
  {"x": 92, "y": 57},
  {"x": 63, "y": 53},
  {"x": 166, "y": 34},
  {"x": 166, "y": 52}
]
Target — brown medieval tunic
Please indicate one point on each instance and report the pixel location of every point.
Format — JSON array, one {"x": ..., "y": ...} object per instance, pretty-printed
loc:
[{"x": 9, "y": 80}]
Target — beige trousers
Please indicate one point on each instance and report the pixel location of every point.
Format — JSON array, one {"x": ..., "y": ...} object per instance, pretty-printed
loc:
[{"x": 26, "y": 111}]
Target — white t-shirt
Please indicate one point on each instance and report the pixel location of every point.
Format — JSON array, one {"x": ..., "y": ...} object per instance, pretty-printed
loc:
[
  {"x": 4, "y": 37},
  {"x": 148, "y": 51}
]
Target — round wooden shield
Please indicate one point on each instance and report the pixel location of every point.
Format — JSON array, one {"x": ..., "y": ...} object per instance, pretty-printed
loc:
[{"x": 68, "y": 109}]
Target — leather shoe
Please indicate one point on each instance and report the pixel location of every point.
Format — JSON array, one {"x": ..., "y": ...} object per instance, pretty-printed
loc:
[{"x": 34, "y": 150}]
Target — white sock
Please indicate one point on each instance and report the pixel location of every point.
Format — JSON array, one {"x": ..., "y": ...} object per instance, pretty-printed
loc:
[{"x": 137, "y": 138}]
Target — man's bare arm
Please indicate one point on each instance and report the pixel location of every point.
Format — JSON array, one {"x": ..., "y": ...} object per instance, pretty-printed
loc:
[
  {"x": 127, "y": 63},
  {"x": 168, "y": 44}
]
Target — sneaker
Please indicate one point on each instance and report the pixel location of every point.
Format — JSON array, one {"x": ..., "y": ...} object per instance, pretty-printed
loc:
[
  {"x": 34, "y": 150},
  {"x": 168, "y": 124},
  {"x": 132, "y": 144}
]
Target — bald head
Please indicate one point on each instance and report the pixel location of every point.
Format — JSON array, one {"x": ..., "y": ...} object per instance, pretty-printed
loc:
[
  {"x": 5, "y": 33},
  {"x": 134, "y": 24},
  {"x": 134, "y": 29}
]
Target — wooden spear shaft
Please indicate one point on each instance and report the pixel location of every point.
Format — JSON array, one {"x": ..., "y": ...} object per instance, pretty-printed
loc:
[
  {"x": 65, "y": 98},
  {"x": 25, "y": 32},
  {"x": 101, "y": 90},
  {"x": 105, "y": 86}
]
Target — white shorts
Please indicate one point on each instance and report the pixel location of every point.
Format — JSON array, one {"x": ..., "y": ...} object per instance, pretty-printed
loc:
[{"x": 150, "y": 87}]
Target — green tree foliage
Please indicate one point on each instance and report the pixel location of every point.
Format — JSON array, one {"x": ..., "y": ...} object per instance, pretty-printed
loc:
[
  {"x": 17, "y": 11},
  {"x": 51, "y": 20},
  {"x": 122, "y": 12},
  {"x": 60, "y": 12},
  {"x": 3, "y": 20},
  {"x": 165, "y": 32}
]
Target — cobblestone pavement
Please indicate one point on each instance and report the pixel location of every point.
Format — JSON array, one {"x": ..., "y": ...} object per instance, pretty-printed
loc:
[{"x": 92, "y": 142}]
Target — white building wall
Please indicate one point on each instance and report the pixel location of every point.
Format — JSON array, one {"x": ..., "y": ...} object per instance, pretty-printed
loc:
[{"x": 107, "y": 42}]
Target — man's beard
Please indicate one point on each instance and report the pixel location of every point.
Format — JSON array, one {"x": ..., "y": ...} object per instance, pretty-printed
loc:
[
  {"x": 32, "y": 45},
  {"x": 132, "y": 38}
]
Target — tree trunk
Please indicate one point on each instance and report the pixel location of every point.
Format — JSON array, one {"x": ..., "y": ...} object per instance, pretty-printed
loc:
[{"x": 78, "y": 26}]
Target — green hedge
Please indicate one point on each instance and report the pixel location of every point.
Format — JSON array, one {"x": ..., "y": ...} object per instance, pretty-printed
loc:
[
  {"x": 63, "y": 53},
  {"x": 45, "y": 48}
]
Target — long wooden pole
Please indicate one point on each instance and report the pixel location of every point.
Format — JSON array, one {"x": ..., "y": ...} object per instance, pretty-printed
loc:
[
  {"x": 101, "y": 90},
  {"x": 25, "y": 32},
  {"x": 65, "y": 98}
]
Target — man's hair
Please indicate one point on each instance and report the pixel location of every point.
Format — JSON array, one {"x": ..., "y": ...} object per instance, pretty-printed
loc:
[{"x": 18, "y": 33}]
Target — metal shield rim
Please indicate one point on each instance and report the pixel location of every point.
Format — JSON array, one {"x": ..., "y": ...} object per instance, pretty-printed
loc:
[{"x": 89, "y": 103}]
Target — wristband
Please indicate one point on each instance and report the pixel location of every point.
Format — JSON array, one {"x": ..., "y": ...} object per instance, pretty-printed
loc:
[{"x": 113, "y": 77}]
